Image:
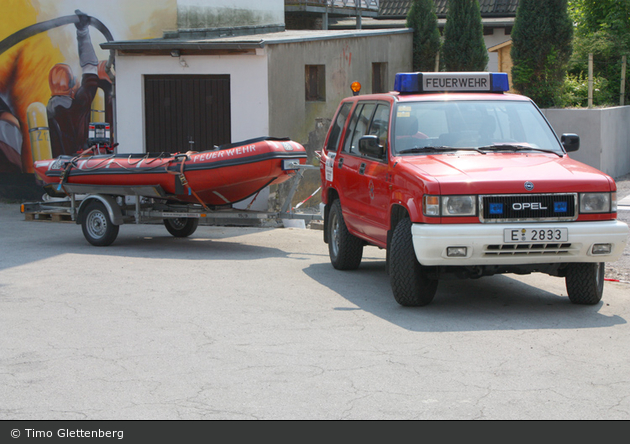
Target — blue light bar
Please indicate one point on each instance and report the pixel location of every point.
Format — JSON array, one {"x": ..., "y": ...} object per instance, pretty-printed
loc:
[{"x": 425, "y": 82}]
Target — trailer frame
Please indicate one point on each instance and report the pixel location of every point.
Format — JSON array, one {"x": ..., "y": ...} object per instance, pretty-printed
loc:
[{"x": 149, "y": 204}]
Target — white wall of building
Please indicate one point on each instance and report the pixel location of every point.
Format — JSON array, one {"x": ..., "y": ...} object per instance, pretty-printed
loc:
[{"x": 248, "y": 89}]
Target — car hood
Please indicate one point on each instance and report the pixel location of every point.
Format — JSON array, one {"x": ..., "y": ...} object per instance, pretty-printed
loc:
[{"x": 475, "y": 173}]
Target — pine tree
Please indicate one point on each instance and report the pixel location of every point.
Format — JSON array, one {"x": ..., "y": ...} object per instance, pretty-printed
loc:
[
  {"x": 426, "y": 37},
  {"x": 541, "y": 48},
  {"x": 464, "y": 48}
]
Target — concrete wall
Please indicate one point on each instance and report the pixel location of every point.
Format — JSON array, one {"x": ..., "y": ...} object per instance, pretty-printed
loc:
[
  {"x": 604, "y": 136},
  {"x": 346, "y": 59},
  {"x": 249, "y": 99},
  {"x": 204, "y": 14}
]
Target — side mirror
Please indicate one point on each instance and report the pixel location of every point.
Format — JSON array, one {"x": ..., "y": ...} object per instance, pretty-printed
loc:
[
  {"x": 570, "y": 142},
  {"x": 368, "y": 145}
]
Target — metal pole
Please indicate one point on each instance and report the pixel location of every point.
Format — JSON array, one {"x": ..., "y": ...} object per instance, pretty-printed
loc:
[
  {"x": 622, "y": 89},
  {"x": 590, "y": 80}
]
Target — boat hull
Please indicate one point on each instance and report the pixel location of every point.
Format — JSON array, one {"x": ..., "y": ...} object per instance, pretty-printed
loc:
[{"x": 219, "y": 177}]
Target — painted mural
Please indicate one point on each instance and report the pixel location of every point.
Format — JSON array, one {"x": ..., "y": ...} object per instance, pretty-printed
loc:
[{"x": 54, "y": 77}]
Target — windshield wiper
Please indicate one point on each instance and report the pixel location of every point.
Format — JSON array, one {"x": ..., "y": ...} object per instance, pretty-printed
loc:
[
  {"x": 420, "y": 149},
  {"x": 517, "y": 147}
]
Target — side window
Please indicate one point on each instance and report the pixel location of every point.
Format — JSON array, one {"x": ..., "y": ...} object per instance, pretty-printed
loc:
[
  {"x": 351, "y": 128},
  {"x": 337, "y": 127},
  {"x": 380, "y": 124},
  {"x": 361, "y": 127}
]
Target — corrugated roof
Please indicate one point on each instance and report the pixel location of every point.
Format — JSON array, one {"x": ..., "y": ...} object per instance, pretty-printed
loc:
[{"x": 488, "y": 8}]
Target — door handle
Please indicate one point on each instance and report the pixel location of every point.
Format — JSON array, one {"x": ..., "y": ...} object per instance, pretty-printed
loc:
[{"x": 362, "y": 168}]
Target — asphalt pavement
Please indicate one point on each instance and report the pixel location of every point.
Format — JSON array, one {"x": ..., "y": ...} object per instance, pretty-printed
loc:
[{"x": 254, "y": 323}]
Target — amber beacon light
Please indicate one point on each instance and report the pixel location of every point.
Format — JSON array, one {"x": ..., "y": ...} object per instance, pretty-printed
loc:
[{"x": 356, "y": 88}]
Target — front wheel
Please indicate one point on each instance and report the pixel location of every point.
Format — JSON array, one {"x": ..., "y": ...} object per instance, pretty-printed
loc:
[
  {"x": 585, "y": 282},
  {"x": 182, "y": 226},
  {"x": 411, "y": 284},
  {"x": 97, "y": 226},
  {"x": 345, "y": 250}
]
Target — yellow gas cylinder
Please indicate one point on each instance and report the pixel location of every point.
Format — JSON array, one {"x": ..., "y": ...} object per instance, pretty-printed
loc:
[
  {"x": 38, "y": 132},
  {"x": 98, "y": 107}
]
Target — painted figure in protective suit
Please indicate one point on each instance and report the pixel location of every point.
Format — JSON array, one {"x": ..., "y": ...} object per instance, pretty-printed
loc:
[
  {"x": 10, "y": 141},
  {"x": 69, "y": 107}
]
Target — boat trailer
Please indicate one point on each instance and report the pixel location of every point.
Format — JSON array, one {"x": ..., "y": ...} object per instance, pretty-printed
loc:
[{"x": 102, "y": 209}]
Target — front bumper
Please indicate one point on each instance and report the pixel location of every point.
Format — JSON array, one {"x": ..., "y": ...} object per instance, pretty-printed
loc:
[{"x": 485, "y": 244}]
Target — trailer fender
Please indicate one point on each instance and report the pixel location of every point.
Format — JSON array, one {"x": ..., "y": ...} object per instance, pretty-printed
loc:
[{"x": 115, "y": 213}]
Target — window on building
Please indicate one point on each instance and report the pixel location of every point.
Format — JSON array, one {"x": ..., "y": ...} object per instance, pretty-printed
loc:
[
  {"x": 315, "y": 83},
  {"x": 379, "y": 77}
]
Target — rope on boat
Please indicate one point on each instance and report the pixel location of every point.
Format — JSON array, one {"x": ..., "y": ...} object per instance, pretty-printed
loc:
[{"x": 184, "y": 181}]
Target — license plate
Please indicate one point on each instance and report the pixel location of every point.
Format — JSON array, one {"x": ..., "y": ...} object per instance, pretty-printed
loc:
[{"x": 550, "y": 234}]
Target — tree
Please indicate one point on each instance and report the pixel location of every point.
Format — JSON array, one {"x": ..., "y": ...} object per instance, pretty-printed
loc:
[
  {"x": 541, "y": 47},
  {"x": 464, "y": 48},
  {"x": 602, "y": 29},
  {"x": 426, "y": 37}
]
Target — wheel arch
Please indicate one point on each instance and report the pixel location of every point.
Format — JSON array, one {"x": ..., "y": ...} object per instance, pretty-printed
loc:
[
  {"x": 113, "y": 209},
  {"x": 331, "y": 196}
]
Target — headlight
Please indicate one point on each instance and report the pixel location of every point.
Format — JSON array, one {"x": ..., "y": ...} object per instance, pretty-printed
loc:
[
  {"x": 596, "y": 202},
  {"x": 450, "y": 205},
  {"x": 459, "y": 206}
]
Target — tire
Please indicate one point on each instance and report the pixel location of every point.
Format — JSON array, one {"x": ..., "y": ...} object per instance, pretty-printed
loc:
[
  {"x": 585, "y": 282},
  {"x": 97, "y": 226},
  {"x": 345, "y": 250},
  {"x": 411, "y": 284},
  {"x": 181, "y": 226}
]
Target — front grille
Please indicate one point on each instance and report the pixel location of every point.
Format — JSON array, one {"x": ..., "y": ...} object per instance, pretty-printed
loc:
[{"x": 528, "y": 207}]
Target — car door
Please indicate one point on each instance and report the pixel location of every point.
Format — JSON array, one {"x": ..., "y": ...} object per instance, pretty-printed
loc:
[
  {"x": 353, "y": 190},
  {"x": 374, "y": 180}
]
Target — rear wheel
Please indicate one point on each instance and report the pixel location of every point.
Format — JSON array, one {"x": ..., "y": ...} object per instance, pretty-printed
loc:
[
  {"x": 585, "y": 282},
  {"x": 181, "y": 226},
  {"x": 345, "y": 250},
  {"x": 97, "y": 226},
  {"x": 411, "y": 284}
]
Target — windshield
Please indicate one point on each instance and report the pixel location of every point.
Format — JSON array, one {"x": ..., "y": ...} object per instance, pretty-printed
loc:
[{"x": 488, "y": 125}]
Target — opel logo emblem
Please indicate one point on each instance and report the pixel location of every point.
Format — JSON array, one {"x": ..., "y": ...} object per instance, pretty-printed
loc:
[{"x": 529, "y": 186}]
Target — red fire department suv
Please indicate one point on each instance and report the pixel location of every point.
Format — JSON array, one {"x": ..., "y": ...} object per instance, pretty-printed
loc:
[{"x": 455, "y": 177}]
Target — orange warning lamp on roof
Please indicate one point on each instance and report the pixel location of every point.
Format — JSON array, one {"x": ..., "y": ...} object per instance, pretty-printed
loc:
[{"x": 356, "y": 88}]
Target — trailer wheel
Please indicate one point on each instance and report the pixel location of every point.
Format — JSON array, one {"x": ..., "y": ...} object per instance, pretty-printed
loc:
[
  {"x": 410, "y": 281},
  {"x": 345, "y": 250},
  {"x": 97, "y": 226},
  {"x": 585, "y": 282},
  {"x": 181, "y": 226}
]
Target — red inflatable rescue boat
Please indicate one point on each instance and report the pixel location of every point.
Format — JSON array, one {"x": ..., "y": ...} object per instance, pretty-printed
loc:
[{"x": 225, "y": 175}]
